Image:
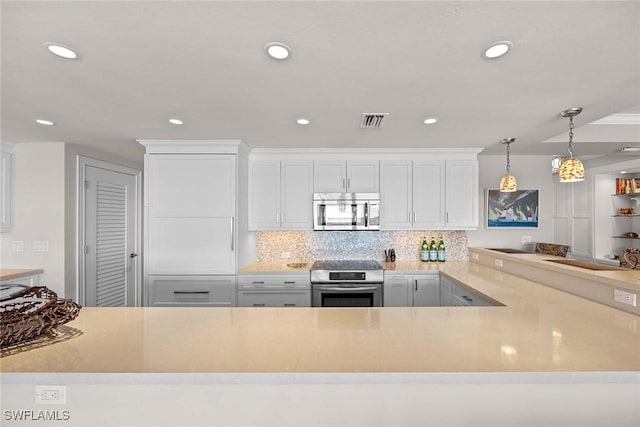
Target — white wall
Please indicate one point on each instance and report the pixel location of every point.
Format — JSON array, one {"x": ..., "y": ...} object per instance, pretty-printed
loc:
[
  {"x": 531, "y": 172},
  {"x": 45, "y": 192},
  {"x": 39, "y": 212}
]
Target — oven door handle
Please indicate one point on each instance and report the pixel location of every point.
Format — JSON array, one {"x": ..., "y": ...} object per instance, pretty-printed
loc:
[{"x": 361, "y": 288}]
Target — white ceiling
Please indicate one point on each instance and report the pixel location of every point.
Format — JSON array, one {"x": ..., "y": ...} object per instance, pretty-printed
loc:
[{"x": 144, "y": 62}]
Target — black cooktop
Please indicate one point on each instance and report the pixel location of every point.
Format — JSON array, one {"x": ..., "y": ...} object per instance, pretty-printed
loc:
[{"x": 346, "y": 265}]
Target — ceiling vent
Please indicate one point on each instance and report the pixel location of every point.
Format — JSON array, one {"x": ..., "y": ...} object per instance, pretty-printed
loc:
[{"x": 372, "y": 120}]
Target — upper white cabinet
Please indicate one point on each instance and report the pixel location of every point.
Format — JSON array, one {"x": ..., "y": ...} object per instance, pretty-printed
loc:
[
  {"x": 6, "y": 186},
  {"x": 428, "y": 194},
  {"x": 350, "y": 176},
  {"x": 191, "y": 213},
  {"x": 461, "y": 194},
  {"x": 280, "y": 194}
]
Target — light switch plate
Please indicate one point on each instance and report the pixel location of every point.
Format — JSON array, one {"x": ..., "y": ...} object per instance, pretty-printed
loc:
[
  {"x": 40, "y": 246},
  {"x": 17, "y": 246},
  {"x": 526, "y": 240}
]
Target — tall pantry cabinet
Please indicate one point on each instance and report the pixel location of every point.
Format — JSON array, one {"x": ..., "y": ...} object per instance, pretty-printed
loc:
[{"x": 191, "y": 222}]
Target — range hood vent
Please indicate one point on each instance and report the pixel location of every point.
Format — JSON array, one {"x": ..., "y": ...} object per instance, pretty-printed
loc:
[{"x": 372, "y": 120}]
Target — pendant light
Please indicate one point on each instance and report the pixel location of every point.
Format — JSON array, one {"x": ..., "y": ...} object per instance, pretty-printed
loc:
[
  {"x": 508, "y": 181},
  {"x": 571, "y": 170}
]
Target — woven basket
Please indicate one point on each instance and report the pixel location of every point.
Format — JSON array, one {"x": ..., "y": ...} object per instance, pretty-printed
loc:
[
  {"x": 630, "y": 258},
  {"x": 32, "y": 312}
]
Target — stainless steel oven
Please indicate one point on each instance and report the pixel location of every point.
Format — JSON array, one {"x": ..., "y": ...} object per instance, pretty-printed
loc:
[{"x": 346, "y": 284}]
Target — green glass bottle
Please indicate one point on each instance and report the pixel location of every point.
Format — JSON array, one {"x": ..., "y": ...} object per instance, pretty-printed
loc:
[
  {"x": 441, "y": 250},
  {"x": 424, "y": 250},
  {"x": 433, "y": 251}
]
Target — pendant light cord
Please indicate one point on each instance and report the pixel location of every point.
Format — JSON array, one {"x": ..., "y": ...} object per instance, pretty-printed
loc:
[
  {"x": 570, "y": 136},
  {"x": 508, "y": 162}
]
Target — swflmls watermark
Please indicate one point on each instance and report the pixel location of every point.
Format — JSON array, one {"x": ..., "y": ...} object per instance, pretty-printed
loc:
[{"x": 36, "y": 415}]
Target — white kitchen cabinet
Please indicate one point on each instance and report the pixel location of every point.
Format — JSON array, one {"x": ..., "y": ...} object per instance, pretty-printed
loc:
[
  {"x": 426, "y": 291},
  {"x": 191, "y": 214},
  {"x": 461, "y": 196},
  {"x": 397, "y": 290},
  {"x": 428, "y": 194},
  {"x": 406, "y": 290},
  {"x": 396, "y": 194},
  {"x": 192, "y": 291},
  {"x": 280, "y": 194},
  {"x": 256, "y": 290},
  {"x": 455, "y": 294},
  {"x": 6, "y": 186},
  {"x": 350, "y": 176},
  {"x": 446, "y": 291},
  {"x": 191, "y": 221}
]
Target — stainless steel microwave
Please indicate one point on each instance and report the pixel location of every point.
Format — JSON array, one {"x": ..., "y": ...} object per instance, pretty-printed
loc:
[{"x": 346, "y": 211}]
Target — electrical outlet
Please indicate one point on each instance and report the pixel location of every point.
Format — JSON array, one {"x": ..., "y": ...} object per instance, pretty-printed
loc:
[
  {"x": 624, "y": 297},
  {"x": 498, "y": 263},
  {"x": 51, "y": 394},
  {"x": 526, "y": 240},
  {"x": 474, "y": 256},
  {"x": 285, "y": 255},
  {"x": 17, "y": 246}
]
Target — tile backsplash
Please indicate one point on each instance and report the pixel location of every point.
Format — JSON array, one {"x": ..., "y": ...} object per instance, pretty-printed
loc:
[{"x": 319, "y": 245}]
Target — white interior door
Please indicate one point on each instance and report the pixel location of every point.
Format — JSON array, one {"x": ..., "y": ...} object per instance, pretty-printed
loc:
[{"x": 110, "y": 243}]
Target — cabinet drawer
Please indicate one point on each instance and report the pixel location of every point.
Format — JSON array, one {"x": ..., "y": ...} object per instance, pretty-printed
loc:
[
  {"x": 463, "y": 296},
  {"x": 194, "y": 291},
  {"x": 277, "y": 282},
  {"x": 264, "y": 298}
]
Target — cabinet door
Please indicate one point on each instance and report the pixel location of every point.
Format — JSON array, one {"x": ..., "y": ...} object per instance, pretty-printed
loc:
[
  {"x": 329, "y": 176},
  {"x": 199, "y": 185},
  {"x": 192, "y": 291},
  {"x": 426, "y": 290},
  {"x": 462, "y": 194},
  {"x": 296, "y": 195},
  {"x": 428, "y": 194},
  {"x": 363, "y": 176},
  {"x": 446, "y": 292},
  {"x": 397, "y": 291},
  {"x": 6, "y": 196},
  {"x": 264, "y": 195},
  {"x": 191, "y": 246},
  {"x": 395, "y": 195}
]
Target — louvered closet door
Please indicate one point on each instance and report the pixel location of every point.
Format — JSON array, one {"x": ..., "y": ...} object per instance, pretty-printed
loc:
[{"x": 110, "y": 238}]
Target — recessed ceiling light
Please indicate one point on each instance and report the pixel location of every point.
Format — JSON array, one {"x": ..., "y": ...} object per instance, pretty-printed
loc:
[
  {"x": 624, "y": 172},
  {"x": 44, "y": 122},
  {"x": 497, "y": 49},
  {"x": 176, "y": 121},
  {"x": 630, "y": 149},
  {"x": 61, "y": 51},
  {"x": 303, "y": 121},
  {"x": 430, "y": 121},
  {"x": 278, "y": 50}
]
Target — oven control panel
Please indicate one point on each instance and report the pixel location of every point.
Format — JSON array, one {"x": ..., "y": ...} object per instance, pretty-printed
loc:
[{"x": 345, "y": 276}]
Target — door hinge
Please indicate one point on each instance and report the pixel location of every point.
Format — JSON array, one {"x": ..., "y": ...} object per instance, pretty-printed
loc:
[
  {"x": 86, "y": 184},
  {"x": 86, "y": 249}
]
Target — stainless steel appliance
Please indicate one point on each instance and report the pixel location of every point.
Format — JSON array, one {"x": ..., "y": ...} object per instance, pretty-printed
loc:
[
  {"x": 350, "y": 283},
  {"x": 346, "y": 211}
]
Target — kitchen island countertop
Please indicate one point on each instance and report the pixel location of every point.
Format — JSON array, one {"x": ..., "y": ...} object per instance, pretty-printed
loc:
[{"x": 539, "y": 329}]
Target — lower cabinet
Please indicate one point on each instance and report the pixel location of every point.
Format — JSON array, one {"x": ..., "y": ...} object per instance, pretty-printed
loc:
[
  {"x": 426, "y": 290},
  {"x": 455, "y": 294},
  {"x": 264, "y": 290},
  {"x": 31, "y": 280},
  {"x": 274, "y": 298},
  {"x": 406, "y": 290},
  {"x": 192, "y": 291}
]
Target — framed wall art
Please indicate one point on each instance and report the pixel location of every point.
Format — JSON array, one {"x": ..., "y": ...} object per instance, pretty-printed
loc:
[{"x": 517, "y": 209}]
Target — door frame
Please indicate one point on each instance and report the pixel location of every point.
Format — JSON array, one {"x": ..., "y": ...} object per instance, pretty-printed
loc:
[{"x": 82, "y": 163}]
